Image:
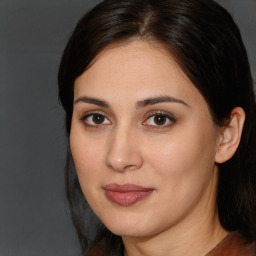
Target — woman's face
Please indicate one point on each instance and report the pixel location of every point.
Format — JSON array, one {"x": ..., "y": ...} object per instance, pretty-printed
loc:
[{"x": 143, "y": 142}]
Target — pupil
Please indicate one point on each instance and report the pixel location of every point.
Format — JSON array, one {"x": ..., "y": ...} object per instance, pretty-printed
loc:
[
  {"x": 160, "y": 120},
  {"x": 98, "y": 119}
]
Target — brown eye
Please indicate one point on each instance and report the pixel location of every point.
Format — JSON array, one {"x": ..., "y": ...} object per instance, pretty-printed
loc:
[
  {"x": 95, "y": 120},
  {"x": 160, "y": 119},
  {"x": 98, "y": 119}
]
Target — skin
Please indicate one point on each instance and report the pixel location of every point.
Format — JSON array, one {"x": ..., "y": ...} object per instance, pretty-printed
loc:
[{"x": 177, "y": 159}]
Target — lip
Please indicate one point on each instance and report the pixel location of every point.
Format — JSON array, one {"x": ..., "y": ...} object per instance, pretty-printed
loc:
[{"x": 126, "y": 194}]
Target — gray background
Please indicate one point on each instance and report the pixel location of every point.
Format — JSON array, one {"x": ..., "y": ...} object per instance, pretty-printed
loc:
[{"x": 34, "y": 214}]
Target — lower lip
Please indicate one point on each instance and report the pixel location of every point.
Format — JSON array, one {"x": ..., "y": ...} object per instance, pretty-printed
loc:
[{"x": 126, "y": 198}]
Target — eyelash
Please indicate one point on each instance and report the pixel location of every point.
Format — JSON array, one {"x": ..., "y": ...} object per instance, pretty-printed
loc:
[
  {"x": 167, "y": 118},
  {"x": 85, "y": 118}
]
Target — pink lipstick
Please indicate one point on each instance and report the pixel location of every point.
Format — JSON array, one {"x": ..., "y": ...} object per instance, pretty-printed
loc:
[{"x": 127, "y": 194}]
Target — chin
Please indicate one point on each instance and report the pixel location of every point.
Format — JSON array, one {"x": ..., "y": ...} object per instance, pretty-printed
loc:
[
  {"x": 129, "y": 228},
  {"x": 129, "y": 232}
]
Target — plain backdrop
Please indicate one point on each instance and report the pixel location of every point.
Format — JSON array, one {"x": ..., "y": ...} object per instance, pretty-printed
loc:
[{"x": 34, "y": 214}]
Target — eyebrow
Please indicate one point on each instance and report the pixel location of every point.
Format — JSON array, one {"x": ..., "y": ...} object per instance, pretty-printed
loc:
[
  {"x": 161, "y": 99},
  {"x": 94, "y": 101},
  {"x": 139, "y": 104}
]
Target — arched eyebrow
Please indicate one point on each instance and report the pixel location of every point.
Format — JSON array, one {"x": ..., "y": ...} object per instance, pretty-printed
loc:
[
  {"x": 94, "y": 101},
  {"x": 159, "y": 99},
  {"x": 139, "y": 104}
]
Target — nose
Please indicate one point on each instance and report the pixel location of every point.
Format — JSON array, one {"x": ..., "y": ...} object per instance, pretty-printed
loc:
[{"x": 123, "y": 151}]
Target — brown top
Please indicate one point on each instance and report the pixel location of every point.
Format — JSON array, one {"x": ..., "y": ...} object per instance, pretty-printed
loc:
[{"x": 233, "y": 245}]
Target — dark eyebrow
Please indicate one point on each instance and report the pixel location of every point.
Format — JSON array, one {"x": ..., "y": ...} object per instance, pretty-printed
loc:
[
  {"x": 140, "y": 104},
  {"x": 161, "y": 99},
  {"x": 94, "y": 101}
]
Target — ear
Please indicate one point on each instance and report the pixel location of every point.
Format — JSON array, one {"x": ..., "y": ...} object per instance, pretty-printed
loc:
[{"x": 230, "y": 135}]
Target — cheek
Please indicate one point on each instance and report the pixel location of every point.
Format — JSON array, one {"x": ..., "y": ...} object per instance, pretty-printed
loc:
[
  {"x": 182, "y": 170},
  {"x": 184, "y": 154},
  {"x": 88, "y": 156},
  {"x": 87, "y": 153}
]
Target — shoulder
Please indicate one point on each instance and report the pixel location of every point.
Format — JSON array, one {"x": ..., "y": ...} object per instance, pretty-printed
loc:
[
  {"x": 106, "y": 244},
  {"x": 96, "y": 250},
  {"x": 234, "y": 245}
]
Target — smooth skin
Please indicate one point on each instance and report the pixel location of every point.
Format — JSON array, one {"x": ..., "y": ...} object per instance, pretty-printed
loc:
[{"x": 138, "y": 119}]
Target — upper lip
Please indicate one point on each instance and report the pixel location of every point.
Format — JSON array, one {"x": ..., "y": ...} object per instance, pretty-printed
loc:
[{"x": 125, "y": 188}]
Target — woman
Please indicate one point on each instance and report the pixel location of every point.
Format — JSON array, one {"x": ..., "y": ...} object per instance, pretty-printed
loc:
[{"x": 160, "y": 116}]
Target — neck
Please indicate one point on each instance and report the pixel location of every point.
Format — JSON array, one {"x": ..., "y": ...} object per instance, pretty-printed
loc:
[{"x": 198, "y": 240}]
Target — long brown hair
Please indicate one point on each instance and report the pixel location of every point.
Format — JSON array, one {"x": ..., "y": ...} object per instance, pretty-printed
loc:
[{"x": 207, "y": 45}]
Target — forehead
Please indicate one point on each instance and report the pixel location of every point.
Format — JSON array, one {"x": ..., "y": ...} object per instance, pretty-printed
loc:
[{"x": 137, "y": 68}]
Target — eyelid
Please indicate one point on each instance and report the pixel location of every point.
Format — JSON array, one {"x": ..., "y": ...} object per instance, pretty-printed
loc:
[
  {"x": 149, "y": 115},
  {"x": 91, "y": 113},
  {"x": 169, "y": 116}
]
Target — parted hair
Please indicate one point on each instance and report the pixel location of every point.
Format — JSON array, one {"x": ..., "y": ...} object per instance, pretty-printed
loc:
[{"x": 206, "y": 43}]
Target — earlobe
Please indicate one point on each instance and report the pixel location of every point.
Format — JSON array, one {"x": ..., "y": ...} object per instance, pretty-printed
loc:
[{"x": 230, "y": 135}]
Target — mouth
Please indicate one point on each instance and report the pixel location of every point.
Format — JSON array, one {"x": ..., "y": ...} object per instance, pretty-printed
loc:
[{"x": 127, "y": 194}]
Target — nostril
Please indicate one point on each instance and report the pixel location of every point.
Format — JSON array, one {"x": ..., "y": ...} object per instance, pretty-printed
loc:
[
  {"x": 116, "y": 164},
  {"x": 131, "y": 167},
  {"x": 132, "y": 162}
]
